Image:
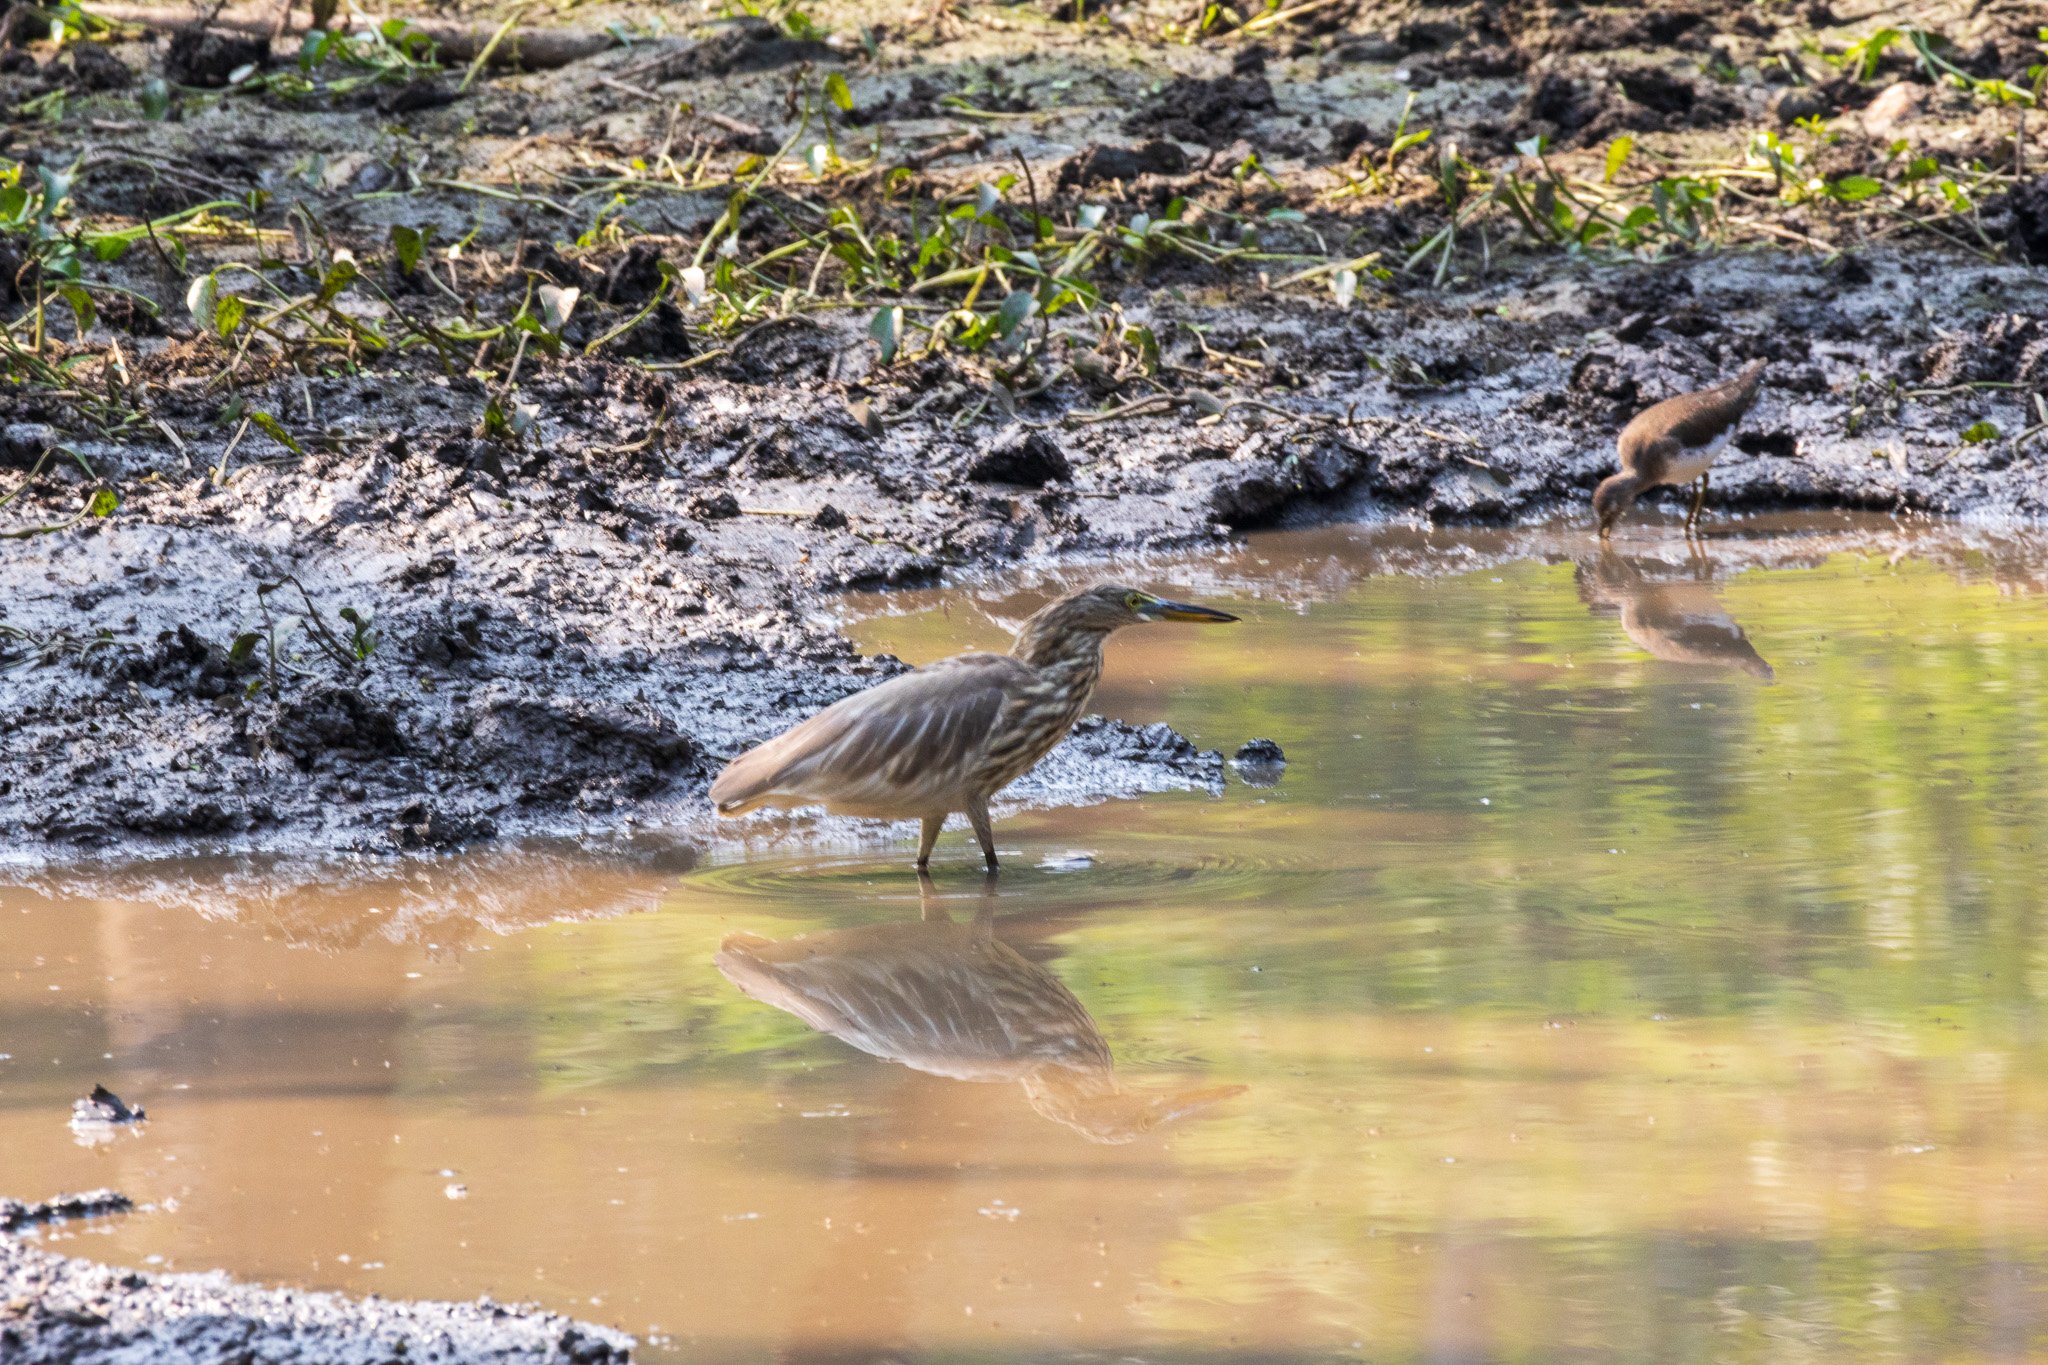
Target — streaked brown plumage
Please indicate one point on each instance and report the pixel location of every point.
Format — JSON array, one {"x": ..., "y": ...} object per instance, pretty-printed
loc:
[
  {"x": 953, "y": 1000},
  {"x": 952, "y": 734},
  {"x": 1675, "y": 442},
  {"x": 1682, "y": 622}
]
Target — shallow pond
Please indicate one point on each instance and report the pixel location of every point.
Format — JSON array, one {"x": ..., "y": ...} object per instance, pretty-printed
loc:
[{"x": 1639, "y": 959}]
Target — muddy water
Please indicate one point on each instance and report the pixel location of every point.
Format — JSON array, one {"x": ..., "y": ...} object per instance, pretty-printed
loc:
[{"x": 1640, "y": 958}]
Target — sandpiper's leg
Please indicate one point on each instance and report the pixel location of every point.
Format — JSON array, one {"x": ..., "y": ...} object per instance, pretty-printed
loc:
[
  {"x": 932, "y": 825},
  {"x": 1699, "y": 500},
  {"x": 984, "y": 831}
]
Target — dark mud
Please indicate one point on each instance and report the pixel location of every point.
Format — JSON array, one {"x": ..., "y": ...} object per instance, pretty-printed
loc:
[
  {"x": 58, "y": 1311},
  {"x": 410, "y": 629}
]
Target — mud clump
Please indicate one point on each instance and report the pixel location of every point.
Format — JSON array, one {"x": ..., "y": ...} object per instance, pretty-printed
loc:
[
  {"x": 1213, "y": 112},
  {"x": 2024, "y": 211},
  {"x": 206, "y": 57},
  {"x": 1019, "y": 456},
  {"x": 2009, "y": 349},
  {"x": 95, "y": 68},
  {"x": 1575, "y": 108},
  {"x": 54, "y": 1309},
  {"x": 744, "y": 45},
  {"x": 1101, "y": 163},
  {"x": 16, "y": 1215}
]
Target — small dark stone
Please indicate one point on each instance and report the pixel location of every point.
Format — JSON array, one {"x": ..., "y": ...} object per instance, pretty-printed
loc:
[
  {"x": 1348, "y": 135},
  {"x": 1021, "y": 456},
  {"x": 829, "y": 518},
  {"x": 1634, "y": 327},
  {"x": 1852, "y": 270},
  {"x": 1259, "y": 751},
  {"x": 677, "y": 540},
  {"x": 714, "y": 506},
  {"x": 1102, "y": 162}
]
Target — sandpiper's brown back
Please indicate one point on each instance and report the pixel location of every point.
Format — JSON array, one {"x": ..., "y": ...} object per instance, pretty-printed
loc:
[{"x": 1693, "y": 420}]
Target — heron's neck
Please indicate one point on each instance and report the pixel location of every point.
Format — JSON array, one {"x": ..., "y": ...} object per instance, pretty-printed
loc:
[{"x": 1050, "y": 644}]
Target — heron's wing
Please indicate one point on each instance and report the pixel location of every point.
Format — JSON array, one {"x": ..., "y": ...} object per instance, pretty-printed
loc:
[{"x": 889, "y": 746}]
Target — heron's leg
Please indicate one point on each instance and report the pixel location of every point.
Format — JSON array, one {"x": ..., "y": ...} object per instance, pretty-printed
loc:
[
  {"x": 932, "y": 825},
  {"x": 983, "y": 830},
  {"x": 1699, "y": 500}
]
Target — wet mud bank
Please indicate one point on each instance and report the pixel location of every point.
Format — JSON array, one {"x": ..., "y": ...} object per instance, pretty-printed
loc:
[
  {"x": 56, "y": 1309},
  {"x": 371, "y": 543}
]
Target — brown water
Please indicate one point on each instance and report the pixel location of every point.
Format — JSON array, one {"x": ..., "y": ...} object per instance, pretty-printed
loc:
[{"x": 1579, "y": 994}]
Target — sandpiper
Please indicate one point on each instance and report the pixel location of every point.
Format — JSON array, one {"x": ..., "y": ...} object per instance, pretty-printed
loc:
[
  {"x": 1675, "y": 442},
  {"x": 1680, "y": 621}
]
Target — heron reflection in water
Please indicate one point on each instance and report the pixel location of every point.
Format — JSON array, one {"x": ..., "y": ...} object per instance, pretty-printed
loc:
[
  {"x": 953, "y": 1000},
  {"x": 1678, "y": 620}
]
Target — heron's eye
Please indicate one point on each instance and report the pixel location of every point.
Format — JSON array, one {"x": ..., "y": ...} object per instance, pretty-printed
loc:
[{"x": 1135, "y": 601}]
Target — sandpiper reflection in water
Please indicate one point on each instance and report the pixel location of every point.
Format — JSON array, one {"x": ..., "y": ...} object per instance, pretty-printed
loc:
[
  {"x": 1678, "y": 620},
  {"x": 953, "y": 1000}
]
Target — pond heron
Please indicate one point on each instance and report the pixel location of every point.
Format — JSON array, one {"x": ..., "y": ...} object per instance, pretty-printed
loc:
[{"x": 950, "y": 735}]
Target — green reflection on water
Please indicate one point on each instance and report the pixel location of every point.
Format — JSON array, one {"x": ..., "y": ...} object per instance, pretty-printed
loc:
[{"x": 1669, "y": 1013}]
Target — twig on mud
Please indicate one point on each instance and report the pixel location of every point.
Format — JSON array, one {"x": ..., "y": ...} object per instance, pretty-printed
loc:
[
  {"x": 1275, "y": 18},
  {"x": 220, "y": 471},
  {"x": 492, "y": 192},
  {"x": 484, "y": 53}
]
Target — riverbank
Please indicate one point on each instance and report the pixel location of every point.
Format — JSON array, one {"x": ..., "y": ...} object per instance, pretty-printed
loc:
[
  {"x": 57, "y": 1310},
  {"x": 490, "y": 473}
]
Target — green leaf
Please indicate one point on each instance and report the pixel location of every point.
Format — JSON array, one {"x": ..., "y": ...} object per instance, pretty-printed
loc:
[
  {"x": 1016, "y": 308},
  {"x": 274, "y": 429},
  {"x": 200, "y": 298},
  {"x": 836, "y": 91},
  {"x": 1407, "y": 140},
  {"x": 410, "y": 244},
  {"x": 156, "y": 99},
  {"x": 81, "y": 306},
  {"x": 243, "y": 648},
  {"x": 558, "y": 304},
  {"x": 1617, "y": 156},
  {"x": 887, "y": 330},
  {"x": 108, "y": 246},
  {"x": 103, "y": 503},
  {"x": 339, "y": 277},
  {"x": 1977, "y": 433},
  {"x": 1853, "y": 189},
  {"x": 228, "y": 311},
  {"x": 56, "y": 186}
]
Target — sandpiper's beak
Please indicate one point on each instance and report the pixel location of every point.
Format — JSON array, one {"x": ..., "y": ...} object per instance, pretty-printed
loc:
[{"x": 1159, "y": 609}]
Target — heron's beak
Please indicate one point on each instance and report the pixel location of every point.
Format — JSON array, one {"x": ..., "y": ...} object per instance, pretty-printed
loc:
[{"x": 1161, "y": 610}]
